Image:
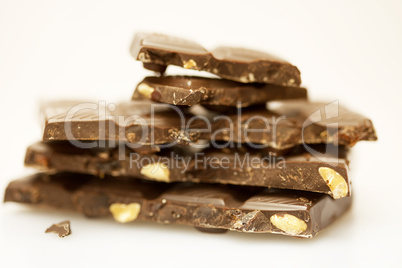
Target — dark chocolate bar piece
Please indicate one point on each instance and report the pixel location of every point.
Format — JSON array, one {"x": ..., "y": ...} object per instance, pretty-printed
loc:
[
  {"x": 326, "y": 122},
  {"x": 238, "y": 64},
  {"x": 243, "y": 209},
  {"x": 286, "y": 124},
  {"x": 298, "y": 171},
  {"x": 282, "y": 126},
  {"x": 191, "y": 90},
  {"x": 137, "y": 122}
]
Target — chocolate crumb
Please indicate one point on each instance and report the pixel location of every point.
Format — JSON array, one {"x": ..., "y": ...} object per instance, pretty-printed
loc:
[{"x": 62, "y": 229}]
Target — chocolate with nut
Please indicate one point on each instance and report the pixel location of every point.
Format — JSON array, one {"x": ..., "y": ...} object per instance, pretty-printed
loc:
[
  {"x": 141, "y": 122},
  {"x": 191, "y": 90},
  {"x": 276, "y": 128},
  {"x": 157, "y": 51},
  {"x": 255, "y": 210},
  {"x": 298, "y": 171}
]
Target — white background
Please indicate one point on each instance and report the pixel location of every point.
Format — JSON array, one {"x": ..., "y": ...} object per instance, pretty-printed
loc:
[{"x": 346, "y": 50}]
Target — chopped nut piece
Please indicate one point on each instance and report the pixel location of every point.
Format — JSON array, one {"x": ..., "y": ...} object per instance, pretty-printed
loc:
[
  {"x": 327, "y": 136},
  {"x": 288, "y": 223},
  {"x": 125, "y": 213},
  {"x": 145, "y": 90},
  {"x": 336, "y": 183},
  {"x": 143, "y": 57},
  {"x": 190, "y": 64},
  {"x": 131, "y": 137},
  {"x": 103, "y": 155},
  {"x": 291, "y": 82},
  {"x": 157, "y": 171}
]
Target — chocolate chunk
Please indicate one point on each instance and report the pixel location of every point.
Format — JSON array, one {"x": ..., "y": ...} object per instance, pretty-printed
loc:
[
  {"x": 238, "y": 64},
  {"x": 298, "y": 171},
  {"x": 286, "y": 124},
  {"x": 62, "y": 229},
  {"x": 191, "y": 90},
  {"x": 280, "y": 127},
  {"x": 242, "y": 209},
  {"x": 327, "y": 122},
  {"x": 141, "y": 123}
]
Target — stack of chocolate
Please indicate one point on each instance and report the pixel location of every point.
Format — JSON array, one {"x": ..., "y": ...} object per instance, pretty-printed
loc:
[{"x": 245, "y": 152}]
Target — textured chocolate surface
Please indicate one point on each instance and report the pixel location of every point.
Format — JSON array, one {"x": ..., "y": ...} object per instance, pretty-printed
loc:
[
  {"x": 243, "y": 209},
  {"x": 191, "y": 90},
  {"x": 239, "y": 64},
  {"x": 297, "y": 171}
]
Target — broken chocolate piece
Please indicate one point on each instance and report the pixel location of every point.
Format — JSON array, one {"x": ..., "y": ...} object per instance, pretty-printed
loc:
[
  {"x": 298, "y": 171},
  {"x": 191, "y": 90},
  {"x": 237, "y": 64},
  {"x": 62, "y": 229},
  {"x": 282, "y": 126},
  {"x": 243, "y": 209},
  {"x": 326, "y": 122},
  {"x": 286, "y": 124},
  {"x": 137, "y": 123}
]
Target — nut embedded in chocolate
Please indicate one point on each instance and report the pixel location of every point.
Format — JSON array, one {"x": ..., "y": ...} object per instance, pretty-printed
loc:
[
  {"x": 156, "y": 171},
  {"x": 288, "y": 223},
  {"x": 125, "y": 213},
  {"x": 335, "y": 182}
]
